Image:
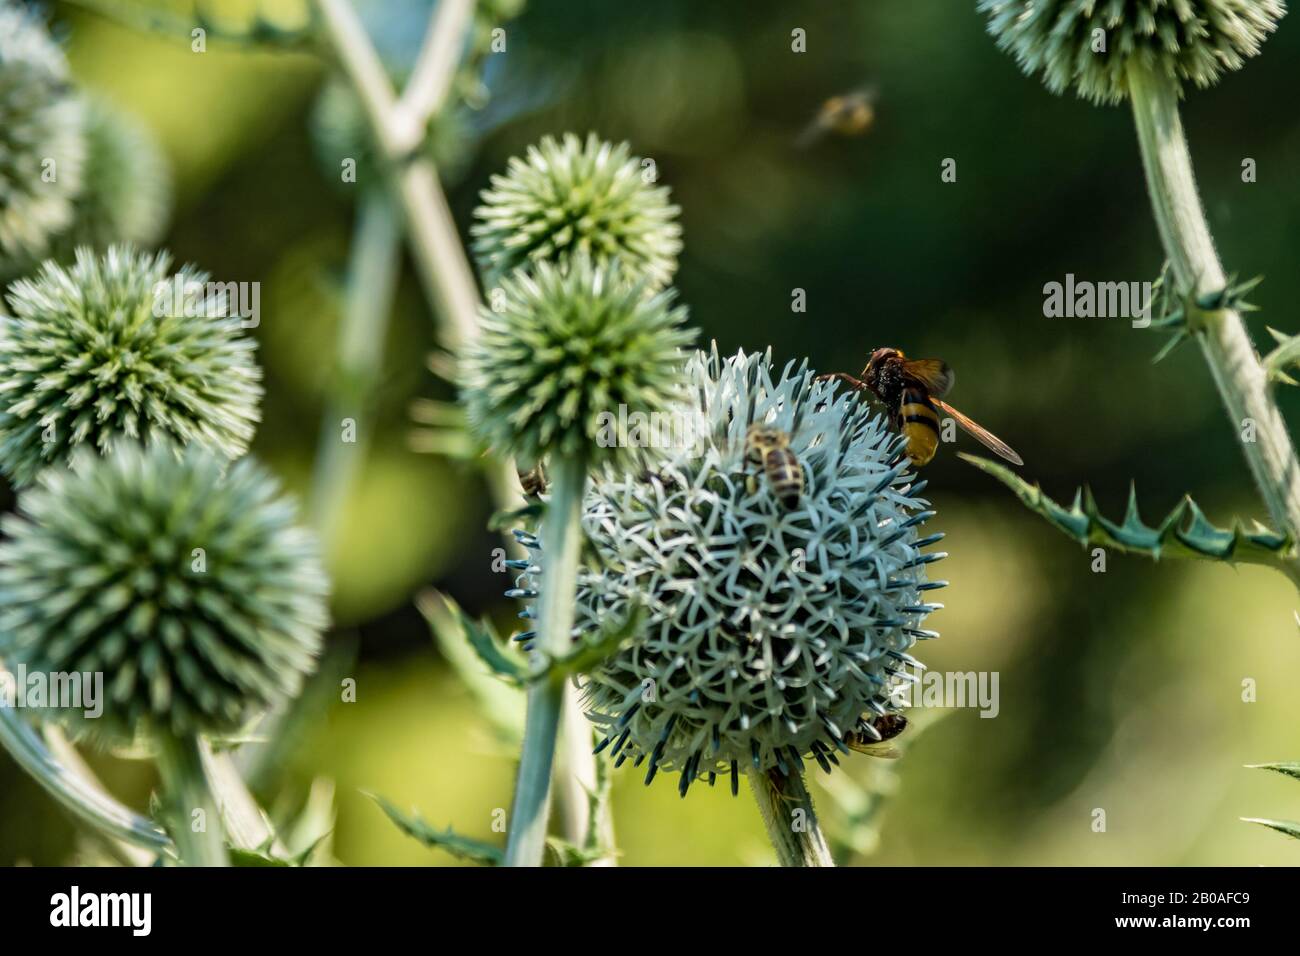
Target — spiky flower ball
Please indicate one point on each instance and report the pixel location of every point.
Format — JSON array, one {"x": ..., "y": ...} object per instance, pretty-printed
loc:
[
  {"x": 568, "y": 197},
  {"x": 768, "y": 628},
  {"x": 182, "y": 578},
  {"x": 1088, "y": 44},
  {"x": 126, "y": 193},
  {"x": 569, "y": 357},
  {"x": 118, "y": 345},
  {"x": 41, "y": 145}
]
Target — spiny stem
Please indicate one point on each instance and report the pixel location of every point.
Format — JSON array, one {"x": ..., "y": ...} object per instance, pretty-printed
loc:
[
  {"x": 561, "y": 540},
  {"x": 787, "y": 810},
  {"x": 185, "y": 790},
  {"x": 1241, "y": 378}
]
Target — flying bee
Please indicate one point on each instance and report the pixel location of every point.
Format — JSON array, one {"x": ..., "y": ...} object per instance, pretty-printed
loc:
[
  {"x": 912, "y": 391},
  {"x": 533, "y": 481},
  {"x": 848, "y": 114},
  {"x": 873, "y": 736},
  {"x": 768, "y": 447}
]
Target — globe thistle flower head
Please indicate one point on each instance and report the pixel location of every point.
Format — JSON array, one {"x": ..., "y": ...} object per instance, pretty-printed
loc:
[
  {"x": 1088, "y": 44},
  {"x": 126, "y": 191},
  {"x": 110, "y": 347},
  {"x": 180, "y": 578},
  {"x": 41, "y": 146},
  {"x": 768, "y": 630},
  {"x": 567, "y": 350},
  {"x": 568, "y": 197}
]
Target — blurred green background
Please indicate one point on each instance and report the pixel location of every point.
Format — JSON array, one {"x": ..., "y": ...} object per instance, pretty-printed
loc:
[{"x": 1119, "y": 690}]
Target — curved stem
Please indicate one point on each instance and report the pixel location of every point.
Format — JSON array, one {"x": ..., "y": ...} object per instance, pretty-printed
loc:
[
  {"x": 787, "y": 810},
  {"x": 185, "y": 791},
  {"x": 1241, "y": 378},
  {"x": 560, "y": 540},
  {"x": 86, "y": 802}
]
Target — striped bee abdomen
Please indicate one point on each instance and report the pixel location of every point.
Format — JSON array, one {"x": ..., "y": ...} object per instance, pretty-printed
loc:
[
  {"x": 785, "y": 475},
  {"x": 918, "y": 422}
]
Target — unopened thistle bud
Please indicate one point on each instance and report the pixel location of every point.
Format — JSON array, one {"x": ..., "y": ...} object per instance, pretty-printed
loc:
[
  {"x": 41, "y": 145},
  {"x": 180, "y": 577},
  {"x": 116, "y": 345},
  {"x": 567, "y": 198},
  {"x": 566, "y": 351}
]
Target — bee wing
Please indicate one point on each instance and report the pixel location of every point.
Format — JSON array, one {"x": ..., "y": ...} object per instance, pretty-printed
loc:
[
  {"x": 884, "y": 749},
  {"x": 986, "y": 437},
  {"x": 935, "y": 374}
]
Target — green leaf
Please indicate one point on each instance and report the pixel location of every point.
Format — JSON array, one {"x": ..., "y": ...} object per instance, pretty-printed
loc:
[
  {"x": 1291, "y": 769},
  {"x": 590, "y": 652},
  {"x": 1289, "y": 827},
  {"x": 1183, "y": 533},
  {"x": 254, "y": 858},
  {"x": 481, "y": 639},
  {"x": 564, "y": 853},
  {"x": 461, "y": 847},
  {"x": 527, "y": 515}
]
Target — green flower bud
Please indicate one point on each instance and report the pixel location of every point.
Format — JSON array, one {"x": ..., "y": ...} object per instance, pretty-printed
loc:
[
  {"x": 126, "y": 194},
  {"x": 181, "y": 578},
  {"x": 567, "y": 198},
  {"x": 107, "y": 348},
  {"x": 41, "y": 146},
  {"x": 566, "y": 351}
]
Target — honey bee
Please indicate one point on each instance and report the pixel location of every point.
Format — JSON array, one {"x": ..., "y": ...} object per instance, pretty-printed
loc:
[
  {"x": 912, "y": 390},
  {"x": 848, "y": 114},
  {"x": 533, "y": 481},
  {"x": 768, "y": 447},
  {"x": 873, "y": 736}
]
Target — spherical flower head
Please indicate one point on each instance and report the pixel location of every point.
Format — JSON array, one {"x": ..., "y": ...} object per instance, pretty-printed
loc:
[
  {"x": 117, "y": 345},
  {"x": 568, "y": 197},
  {"x": 1088, "y": 44},
  {"x": 41, "y": 146},
  {"x": 568, "y": 357},
  {"x": 183, "y": 580},
  {"x": 768, "y": 629},
  {"x": 126, "y": 190}
]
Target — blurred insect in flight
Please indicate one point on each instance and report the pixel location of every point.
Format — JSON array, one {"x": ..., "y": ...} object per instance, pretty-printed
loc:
[
  {"x": 912, "y": 390},
  {"x": 873, "y": 737},
  {"x": 768, "y": 447},
  {"x": 848, "y": 114}
]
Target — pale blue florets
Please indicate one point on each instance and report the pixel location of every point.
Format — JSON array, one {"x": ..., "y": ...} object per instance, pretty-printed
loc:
[{"x": 767, "y": 632}]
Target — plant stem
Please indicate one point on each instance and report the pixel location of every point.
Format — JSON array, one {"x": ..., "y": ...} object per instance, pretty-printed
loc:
[
  {"x": 1241, "y": 378},
  {"x": 561, "y": 539},
  {"x": 439, "y": 254},
  {"x": 86, "y": 802},
  {"x": 787, "y": 810},
  {"x": 185, "y": 790},
  {"x": 372, "y": 278},
  {"x": 582, "y": 784}
]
